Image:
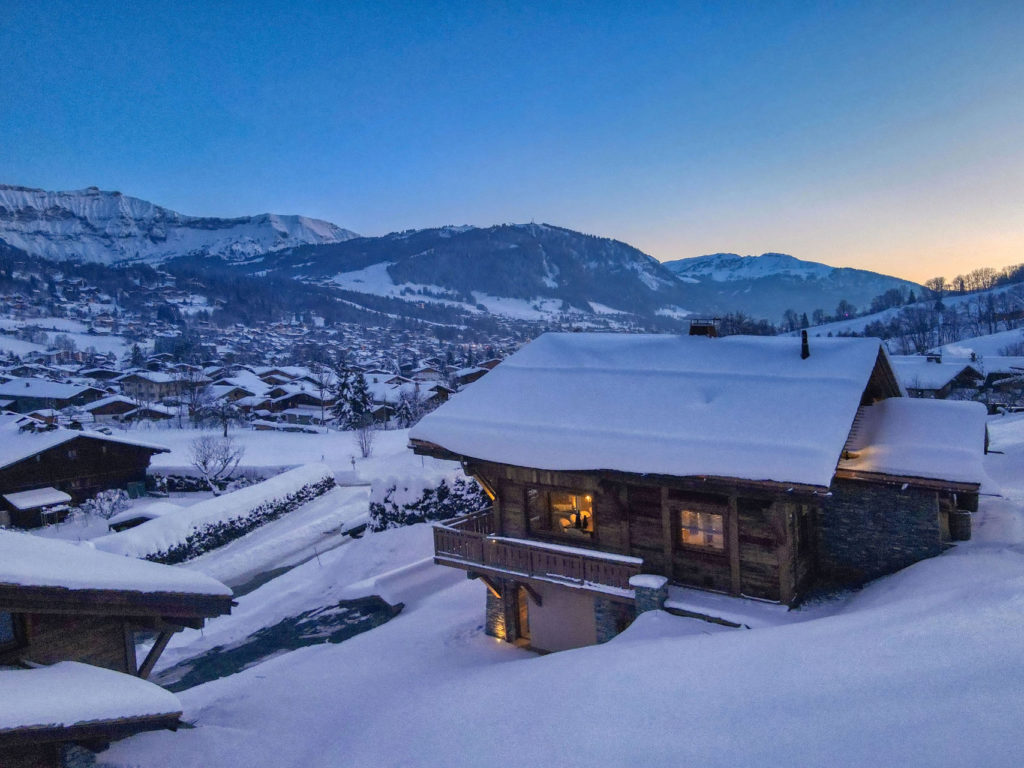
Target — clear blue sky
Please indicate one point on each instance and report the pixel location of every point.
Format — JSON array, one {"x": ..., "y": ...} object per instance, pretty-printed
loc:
[{"x": 884, "y": 135}]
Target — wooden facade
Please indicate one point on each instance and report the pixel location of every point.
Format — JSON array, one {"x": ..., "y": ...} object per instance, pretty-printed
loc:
[
  {"x": 759, "y": 554},
  {"x": 98, "y": 627},
  {"x": 81, "y": 467}
]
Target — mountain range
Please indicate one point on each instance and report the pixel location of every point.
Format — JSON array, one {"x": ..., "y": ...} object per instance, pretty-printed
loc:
[
  {"x": 532, "y": 271},
  {"x": 112, "y": 228}
]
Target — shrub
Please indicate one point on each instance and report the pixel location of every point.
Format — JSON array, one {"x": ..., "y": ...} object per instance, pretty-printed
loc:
[{"x": 438, "y": 503}]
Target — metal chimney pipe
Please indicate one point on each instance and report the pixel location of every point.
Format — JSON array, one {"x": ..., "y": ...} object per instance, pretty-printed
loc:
[{"x": 805, "y": 350}]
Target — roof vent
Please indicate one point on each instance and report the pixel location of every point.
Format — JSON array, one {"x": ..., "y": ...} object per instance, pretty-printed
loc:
[
  {"x": 805, "y": 349},
  {"x": 704, "y": 327}
]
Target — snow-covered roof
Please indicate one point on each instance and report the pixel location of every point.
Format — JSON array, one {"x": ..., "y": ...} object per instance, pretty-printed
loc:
[
  {"x": 156, "y": 377},
  {"x": 40, "y": 388},
  {"x": 70, "y": 693},
  {"x": 33, "y": 561},
  {"x": 39, "y": 497},
  {"x": 912, "y": 437},
  {"x": 17, "y": 444},
  {"x": 742, "y": 406},
  {"x": 918, "y": 372},
  {"x": 103, "y": 402}
]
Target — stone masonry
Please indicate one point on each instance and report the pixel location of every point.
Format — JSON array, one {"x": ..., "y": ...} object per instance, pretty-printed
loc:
[{"x": 867, "y": 530}]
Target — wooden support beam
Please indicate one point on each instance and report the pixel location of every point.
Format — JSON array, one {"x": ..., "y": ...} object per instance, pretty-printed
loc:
[
  {"x": 734, "y": 546},
  {"x": 666, "y": 530},
  {"x": 491, "y": 585},
  {"x": 154, "y": 653},
  {"x": 533, "y": 593}
]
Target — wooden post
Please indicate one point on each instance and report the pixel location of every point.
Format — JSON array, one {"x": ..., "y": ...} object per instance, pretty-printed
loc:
[
  {"x": 734, "y": 545},
  {"x": 666, "y": 530},
  {"x": 787, "y": 576}
]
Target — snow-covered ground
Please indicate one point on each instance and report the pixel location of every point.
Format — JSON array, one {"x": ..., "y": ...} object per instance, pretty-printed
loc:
[
  {"x": 922, "y": 668},
  {"x": 274, "y": 450}
]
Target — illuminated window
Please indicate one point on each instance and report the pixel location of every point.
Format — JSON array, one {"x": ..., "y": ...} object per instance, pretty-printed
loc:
[
  {"x": 560, "y": 512},
  {"x": 701, "y": 529}
]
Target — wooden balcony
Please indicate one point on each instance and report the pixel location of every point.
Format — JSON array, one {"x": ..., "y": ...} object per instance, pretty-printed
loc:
[{"x": 468, "y": 542}]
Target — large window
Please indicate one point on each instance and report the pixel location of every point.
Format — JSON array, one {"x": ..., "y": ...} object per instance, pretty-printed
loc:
[
  {"x": 702, "y": 529},
  {"x": 560, "y": 513}
]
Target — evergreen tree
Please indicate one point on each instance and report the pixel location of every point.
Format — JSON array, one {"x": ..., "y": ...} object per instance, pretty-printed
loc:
[
  {"x": 360, "y": 402},
  {"x": 342, "y": 391}
]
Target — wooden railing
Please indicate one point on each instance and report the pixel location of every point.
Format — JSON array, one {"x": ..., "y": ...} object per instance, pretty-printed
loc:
[{"x": 468, "y": 540}]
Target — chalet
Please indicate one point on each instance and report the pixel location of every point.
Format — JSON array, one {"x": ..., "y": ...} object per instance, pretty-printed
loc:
[
  {"x": 69, "y": 618},
  {"x": 628, "y": 470},
  {"x": 78, "y": 463},
  {"x": 31, "y": 394},
  {"x": 465, "y": 376},
  {"x": 929, "y": 376},
  {"x": 111, "y": 408},
  {"x": 150, "y": 386}
]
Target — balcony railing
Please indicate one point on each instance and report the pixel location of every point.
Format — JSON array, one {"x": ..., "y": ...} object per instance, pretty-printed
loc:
[{"x": 469, "y": 540}]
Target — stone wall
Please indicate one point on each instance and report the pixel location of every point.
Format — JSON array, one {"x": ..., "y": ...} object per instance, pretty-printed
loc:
[{"x": 867, "y": 530}]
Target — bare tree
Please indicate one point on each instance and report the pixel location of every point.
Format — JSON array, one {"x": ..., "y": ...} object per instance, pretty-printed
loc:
[
  {"x": 215, "y": 459},
  {"x": 364, "y": 439},
  {"x": 222, "y": 412},
  {"x": 196, "y": 392},
  {"x": 323, "y": 382}
]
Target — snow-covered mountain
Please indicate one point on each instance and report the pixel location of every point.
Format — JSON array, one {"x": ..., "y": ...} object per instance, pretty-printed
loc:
[
  {"x": 527, "y": 270},
  {"x": 769, "y": 284},
  {"x": 109, "y": 227}
]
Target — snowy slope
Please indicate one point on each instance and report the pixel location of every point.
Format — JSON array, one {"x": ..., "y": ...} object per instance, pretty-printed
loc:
[
  {"x": 769, "y": 284},
  {"x": 109, "y": 227}
]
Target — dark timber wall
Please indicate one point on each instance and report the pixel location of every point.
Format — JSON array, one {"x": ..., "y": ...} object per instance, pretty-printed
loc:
[
  {"x": 760, "y": 557},
  {"x": 103, "y": 641},
  {"x": 80, "y": 467}
]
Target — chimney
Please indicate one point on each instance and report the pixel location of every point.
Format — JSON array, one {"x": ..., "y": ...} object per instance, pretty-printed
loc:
[
  {"x": 805, "y": 350},
  {"x": 704, "y": 327}
]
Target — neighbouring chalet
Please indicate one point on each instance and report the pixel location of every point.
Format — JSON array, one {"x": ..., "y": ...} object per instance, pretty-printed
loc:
[
  {"x": 29, "y": 394},
  {"x": 929, "y": 376},
  {"x": 150, "y": 386},
  {"x": 79, "y": 464},
  {"x": 626, "y": 470},
  {"x": 69, "y": 617}
]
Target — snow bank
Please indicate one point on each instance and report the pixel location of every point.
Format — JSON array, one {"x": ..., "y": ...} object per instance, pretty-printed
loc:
[{"x": 211, "y": 523}]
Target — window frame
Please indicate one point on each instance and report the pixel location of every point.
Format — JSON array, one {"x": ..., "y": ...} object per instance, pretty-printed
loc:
[
  {"x": 680, "y": 505},
  {"x": 581, "y": 537}
]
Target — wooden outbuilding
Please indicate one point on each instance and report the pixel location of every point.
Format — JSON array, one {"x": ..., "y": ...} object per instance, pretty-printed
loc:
[
  {"x": 78, "y": 463},
  {"x": 62, "y": 603}
]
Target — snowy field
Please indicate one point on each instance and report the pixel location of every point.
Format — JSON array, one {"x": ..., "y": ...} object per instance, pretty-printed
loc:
[
  {"x": 274, "y": 450},
  {"x": 922, "y": 668},
  {"x": 55, "y": 326}
]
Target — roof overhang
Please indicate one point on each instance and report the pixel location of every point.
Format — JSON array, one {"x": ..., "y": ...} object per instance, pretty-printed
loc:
[{"x": 109, "y": 602}]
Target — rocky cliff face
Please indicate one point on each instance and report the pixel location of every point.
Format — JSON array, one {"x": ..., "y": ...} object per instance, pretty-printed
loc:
[{"x": 110, "y": 228}]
